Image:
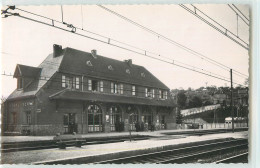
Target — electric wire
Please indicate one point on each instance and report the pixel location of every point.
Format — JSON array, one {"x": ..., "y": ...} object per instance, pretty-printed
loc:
[
  {"x": 117, "y": 46},
  {"x": 173, "y": 42},
  {"x": 241, "y": 12},
  {"x": 197, "y": 9},
  {"x": 246, "y": 46},
  {"x": 238, "y": 14},
  {"x": 209, "y": 60}
]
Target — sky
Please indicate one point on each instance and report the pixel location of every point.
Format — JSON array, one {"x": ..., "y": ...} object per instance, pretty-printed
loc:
[{"x": 29, "y": 43}]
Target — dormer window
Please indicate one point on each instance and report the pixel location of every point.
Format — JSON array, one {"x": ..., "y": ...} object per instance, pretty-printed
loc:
[
  {"x": 110, "y": 67},
  {"x": 142, "y": 74},
  {"x": 89, "y": 63},
  {"x": 127, "y": 71},
  {"x": 20, "y": 83},
  {"x": 94, "y": 53}
]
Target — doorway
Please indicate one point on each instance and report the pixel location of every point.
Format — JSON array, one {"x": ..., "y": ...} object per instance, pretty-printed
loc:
[
  {"x": 69, "y": 122},
  {"x": 94, "y": 118}
]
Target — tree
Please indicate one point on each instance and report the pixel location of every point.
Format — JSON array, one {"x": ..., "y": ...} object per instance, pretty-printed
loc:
[
  {"x": 181, "y": 99},
  {"x": 195, "y": 102},
  {"x": 247, "y": 81},
  {"x": 179, "y": 117},
  {"x": 206, "y": 103}
]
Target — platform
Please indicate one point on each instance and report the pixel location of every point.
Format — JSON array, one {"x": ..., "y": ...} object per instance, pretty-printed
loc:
[
  {"x": 159, "y": 141},
  {"x": 97, "y": 135}
]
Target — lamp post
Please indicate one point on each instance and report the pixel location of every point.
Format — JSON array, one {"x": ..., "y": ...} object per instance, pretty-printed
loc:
[{"x": 130, "y": 136}]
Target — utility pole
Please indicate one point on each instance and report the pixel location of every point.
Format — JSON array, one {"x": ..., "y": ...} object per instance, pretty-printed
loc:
[{"x": 232, "y": 108}]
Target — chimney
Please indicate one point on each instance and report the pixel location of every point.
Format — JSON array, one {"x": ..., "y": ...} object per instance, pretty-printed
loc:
[
  {"x": 129, "y": 62},
  {"x": 57, "y": 50},
  {"x": 94, "y": 53}
]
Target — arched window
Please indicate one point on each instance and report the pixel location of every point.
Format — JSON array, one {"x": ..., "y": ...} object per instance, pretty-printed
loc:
[{"x": 94, "y": 118}]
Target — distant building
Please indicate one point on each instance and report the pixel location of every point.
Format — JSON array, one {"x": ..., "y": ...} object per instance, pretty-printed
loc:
[{"x": 76, "y": 91}]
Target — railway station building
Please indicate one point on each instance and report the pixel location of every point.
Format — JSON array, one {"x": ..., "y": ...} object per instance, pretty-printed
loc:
[{"x": 76, "y": 91}]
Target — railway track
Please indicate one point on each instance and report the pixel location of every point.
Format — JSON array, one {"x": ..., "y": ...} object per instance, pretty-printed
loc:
[
  {"x": 204, "y": 132},
  {"x": 239, "y": 158},
  {"x": 188, "y": 154},
  {"x": 48, "y": 144}
]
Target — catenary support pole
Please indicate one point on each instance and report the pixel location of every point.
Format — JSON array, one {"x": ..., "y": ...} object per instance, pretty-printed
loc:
[{"x": 231, "y": 104}]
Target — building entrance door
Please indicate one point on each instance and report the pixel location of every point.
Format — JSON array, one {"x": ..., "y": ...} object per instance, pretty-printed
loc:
[
  {"x": 115, "y": 119},
  {"x": 69, "y": 122},
  {"x": 148, "y": 121},
  {"x": 133, "y": 120},
  {"x": 94, "y": 119}
]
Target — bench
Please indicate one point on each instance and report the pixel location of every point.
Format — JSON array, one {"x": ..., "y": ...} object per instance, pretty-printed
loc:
[{"x": 69, "y": 140}]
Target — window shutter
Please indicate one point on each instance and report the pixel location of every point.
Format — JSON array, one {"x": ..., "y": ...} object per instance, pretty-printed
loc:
[
  {"x": 146, "y": 92},
  {"x": 101, "y": 86},
  {"x": 153, "y": 93},
  {"x": 112, "y": 87},
  {"x": 89, "y": 84}
]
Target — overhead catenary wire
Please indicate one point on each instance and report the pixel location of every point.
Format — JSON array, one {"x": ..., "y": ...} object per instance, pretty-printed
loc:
[
  {"x": 227, "y": 31},
  {"x": 119, "y": 46},
  {"x": 245, "y": 45},
  {"x": 174, "y": 42},
  {"x": 145, "y": 51},
  {"x": 240, "y": 12}
]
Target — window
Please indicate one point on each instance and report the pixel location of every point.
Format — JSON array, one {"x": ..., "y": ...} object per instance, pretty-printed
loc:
[
  {"x": 149, "y": 92},
  {"x": 110, "y": 67},
  {"x": 68, "y": 82},
  {"x": 114, "y": 87},
  {"x": 89, "y": 63},
  {"x": 93, "y": 85},
  {"x": 142, "y": 74},
  {"x": 127, "y": 71},
  {"x": 19, "y": 83},
  {"x": 165, "y": 94},
  {"x": 77, "y": 83},
  {"x": 133, "y": 91},
  {"x": 117, "y": 88},
  {"x": 120, "y": 88},
  {"x": 28, "y": 118},
  {"x": 101, "y": 85},
  {"x": 162, "y": 94},
  {"x": 63, "y": 81}
]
